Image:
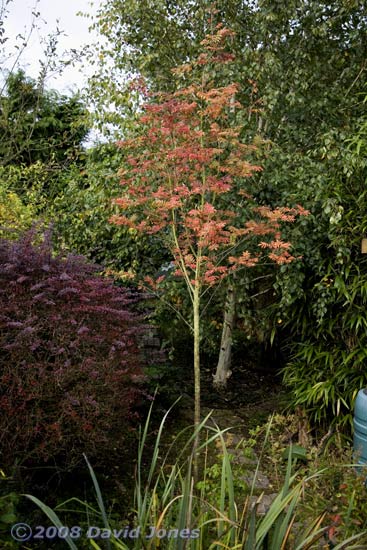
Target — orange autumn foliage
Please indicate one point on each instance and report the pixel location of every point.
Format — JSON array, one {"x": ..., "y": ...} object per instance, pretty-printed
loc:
[{"x": 188, "y": 166}]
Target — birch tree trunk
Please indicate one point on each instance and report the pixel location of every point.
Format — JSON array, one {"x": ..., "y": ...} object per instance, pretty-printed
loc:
[{"x": 223, "y": 371}]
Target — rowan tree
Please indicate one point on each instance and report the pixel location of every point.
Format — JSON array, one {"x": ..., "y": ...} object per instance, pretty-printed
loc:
[{"x": 184, "y": 181}]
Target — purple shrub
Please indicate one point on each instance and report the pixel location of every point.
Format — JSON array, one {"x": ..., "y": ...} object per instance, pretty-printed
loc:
[{"x": 70, "y": 367}]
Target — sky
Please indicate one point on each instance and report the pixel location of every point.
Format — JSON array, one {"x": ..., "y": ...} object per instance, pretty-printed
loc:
[{"x": 75, "y": 35}]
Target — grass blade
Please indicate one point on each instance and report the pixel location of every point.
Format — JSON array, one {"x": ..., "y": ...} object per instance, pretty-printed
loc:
[
  {"x": 53, "y": 517},
  {"x": 99, "y": 499}
]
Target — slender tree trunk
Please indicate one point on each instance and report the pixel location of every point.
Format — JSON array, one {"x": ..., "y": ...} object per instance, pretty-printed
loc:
[
  {"x": 197, "y": 335},
  {"x": 223, "y": 371}
]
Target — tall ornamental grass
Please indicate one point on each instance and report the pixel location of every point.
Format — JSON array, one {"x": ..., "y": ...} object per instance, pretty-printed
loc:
[{"x": 182, "y": 517}]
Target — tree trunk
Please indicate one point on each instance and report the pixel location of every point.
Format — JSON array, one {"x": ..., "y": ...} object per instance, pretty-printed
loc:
[
  {"x": 197, "y": 357},
  {"x": 197, "y": 335},
  {"x": 223, "y": 371}
]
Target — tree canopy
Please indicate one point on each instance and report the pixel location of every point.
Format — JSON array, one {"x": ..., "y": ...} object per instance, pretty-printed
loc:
[{"x": 39, "y": 125}]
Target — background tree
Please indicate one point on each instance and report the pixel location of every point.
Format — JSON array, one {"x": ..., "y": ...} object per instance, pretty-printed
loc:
[
  {"x": 80, "y": 214},
  {"x": 41, "y": 151},
  {"x": 327, "y": 367},
  {"x": 306, "y": 64},
  {"x": 42, "y": 131},
  {"x": 39, "y": 125},
  {"x": 15, "y": 216}
]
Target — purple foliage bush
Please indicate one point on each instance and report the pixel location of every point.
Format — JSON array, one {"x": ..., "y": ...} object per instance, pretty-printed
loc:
[{"x": 70, "y": 363}]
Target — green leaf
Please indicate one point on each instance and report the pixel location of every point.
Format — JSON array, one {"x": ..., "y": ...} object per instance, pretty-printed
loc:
[{"x": 295, "y": 451}]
